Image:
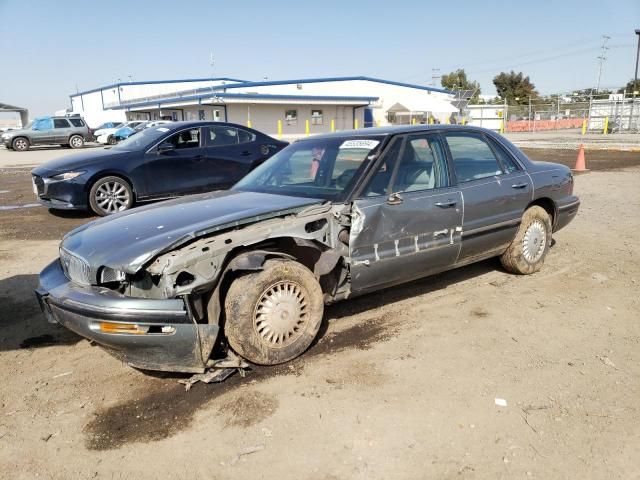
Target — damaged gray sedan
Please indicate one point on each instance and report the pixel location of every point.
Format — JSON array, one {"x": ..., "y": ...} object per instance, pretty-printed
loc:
[{"x": 196, "y": 282}]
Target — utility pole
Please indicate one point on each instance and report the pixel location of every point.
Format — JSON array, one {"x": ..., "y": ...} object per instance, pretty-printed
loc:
[
  {"x": 602, "y": 58},
  {"x": 434, "y": 76},
  {"x": 635, "y": 80}
]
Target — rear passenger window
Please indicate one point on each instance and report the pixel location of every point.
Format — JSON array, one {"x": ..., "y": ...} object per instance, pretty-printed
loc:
[
  {"x": 422, "y": 165},
  {"x": 60, "y": 123},
  {"x": 76, "y": 122},
  {"x": 245, "y": 137},
  {"x": 185, "y": 139},
  {"x": 508, "y": 162},
  {"x": 472, "y": 157},
  {"x": 220, "y": 136}
]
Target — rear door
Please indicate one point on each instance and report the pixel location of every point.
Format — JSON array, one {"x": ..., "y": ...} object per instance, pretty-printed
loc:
[
  {"x": 229, "y": 155},
  {"x": 495, "y": 190},
  {"x": 179, "y": 171},
  {"x": 408, "y": 220},
  {"x": 61, "y": 130}
]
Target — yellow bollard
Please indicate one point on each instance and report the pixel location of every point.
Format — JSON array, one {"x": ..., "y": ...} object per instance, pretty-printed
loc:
[
  {"x": 430, "y": 120},
  {"x": 306, "y": 127},
  {"x": 502, "y": 126},
  {"x": 606, "y": 125},
  {"x": 413, "y": 121},
  {"x": 249, "y": 123},
  {"x": 464, "y": 121},
  {"x": 584, "y": 126},
  {"x": 377, "y": 123},
  {"x": 333, "y": 125},
  {"x": 355, "y": 124},
  {"x": 279, "y": 128}
]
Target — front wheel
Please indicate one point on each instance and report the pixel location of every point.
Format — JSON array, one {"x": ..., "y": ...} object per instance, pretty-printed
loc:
[
  {"x": 529, "y": 248},
  {"x": 110, "y": 195},
  {"x": 76, "y": 141},
  {"x": 20, "y": 144},
  {"x": 273, "y": 315},
  {"x": 112, "y": 140}
]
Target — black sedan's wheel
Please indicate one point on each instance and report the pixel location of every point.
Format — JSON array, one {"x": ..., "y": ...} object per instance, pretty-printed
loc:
[
  {"x": 272, "y": 316},
  {"x": 76, "y": 141},
  {"x": 112, "y": 140},
  {"x": 20, "y": 144},
  {"x": 110, "y": 195},
  {"x": 529, "y": 248}
]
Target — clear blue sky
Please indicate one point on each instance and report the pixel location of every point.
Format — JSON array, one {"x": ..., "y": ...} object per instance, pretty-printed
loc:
[{"x": 49, "y": 47}]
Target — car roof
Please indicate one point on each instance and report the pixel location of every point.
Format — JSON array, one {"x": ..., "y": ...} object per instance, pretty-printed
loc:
[{"x": 395, "y": 130}]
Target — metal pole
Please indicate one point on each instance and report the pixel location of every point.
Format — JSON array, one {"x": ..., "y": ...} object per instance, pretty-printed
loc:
[
  {"x": 635, "y": 81},
  {"x": 602, "y": 58}
]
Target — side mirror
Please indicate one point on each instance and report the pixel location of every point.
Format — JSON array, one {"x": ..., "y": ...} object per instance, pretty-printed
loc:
[{"x": 165, "y": 147}]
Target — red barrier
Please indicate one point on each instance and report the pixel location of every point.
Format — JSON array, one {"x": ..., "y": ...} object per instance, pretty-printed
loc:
[{"x": 533, "y": 125}]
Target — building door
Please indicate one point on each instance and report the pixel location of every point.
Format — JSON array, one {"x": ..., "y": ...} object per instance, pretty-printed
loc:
[
  {"x": 368, "y": 118},
  {"x": 217, "y": 115}
]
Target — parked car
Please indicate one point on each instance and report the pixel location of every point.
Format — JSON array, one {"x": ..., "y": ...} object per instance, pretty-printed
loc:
[
  {"x": 166, "y": 161},
  {"x": 105, "y": 135},
  {"x": 184, "y": 284},
  {"x": 125, "y": 132},
  {"x": 69, "y": 131}
]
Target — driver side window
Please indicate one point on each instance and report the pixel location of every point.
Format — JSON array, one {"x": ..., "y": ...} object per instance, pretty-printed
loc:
[{"x": 185, "y": 139}]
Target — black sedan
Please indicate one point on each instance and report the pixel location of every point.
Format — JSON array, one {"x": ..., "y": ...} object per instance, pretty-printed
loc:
[{"x": 166, "y": 161}]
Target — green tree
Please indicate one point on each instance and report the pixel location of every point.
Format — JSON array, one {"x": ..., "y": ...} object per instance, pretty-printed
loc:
[
  {"x": 458, "y": 80},
  {"x": 630, "y": 87},
  {"x": 514, "y": 87}
]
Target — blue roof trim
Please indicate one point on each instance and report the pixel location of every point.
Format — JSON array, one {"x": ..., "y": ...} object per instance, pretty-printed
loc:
[
  {"x": 155, "y": 82},
  {"x": 256, "y": 96},
  {"x": 334, "y": 79}
]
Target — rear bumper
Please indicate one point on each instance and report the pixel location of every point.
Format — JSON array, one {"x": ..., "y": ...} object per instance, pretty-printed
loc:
[
  {"x": 173, "y": 342},
  {"x": 567, "y": 210}
]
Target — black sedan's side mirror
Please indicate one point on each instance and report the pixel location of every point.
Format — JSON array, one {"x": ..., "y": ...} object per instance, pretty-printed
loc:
[{"x": 165, "y": 147}]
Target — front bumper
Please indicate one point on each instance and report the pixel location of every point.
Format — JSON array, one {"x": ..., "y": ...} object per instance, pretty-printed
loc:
[
  {"x": 185, "y": 348},
  {"x": 61, "y": 194}
]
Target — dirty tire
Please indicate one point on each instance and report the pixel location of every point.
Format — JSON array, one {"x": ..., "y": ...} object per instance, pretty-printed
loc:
[
  {"x": 20, "y": 144},
  {"x": 529, "y": 248},
  {"x": 76, "y": 141},
  {"x": 110, "y": 195},
  {"x": 111, "y": 140},
  {"x": 273, "y": 315}
]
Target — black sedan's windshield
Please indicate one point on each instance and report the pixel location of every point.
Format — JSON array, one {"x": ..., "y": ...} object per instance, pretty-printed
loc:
[
  {"x": 143, "y": 139},
  {"x": 316, "y": 168}
]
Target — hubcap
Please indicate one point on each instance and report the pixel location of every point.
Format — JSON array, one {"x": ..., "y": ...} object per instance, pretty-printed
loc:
[
  {"x": 21, "y": 144},
  {"x": 534, "y": 241},
  {"x": 75, "y": 142},
  {"x": 280, "y": 314},
  {"x": 112, "y": 197}
]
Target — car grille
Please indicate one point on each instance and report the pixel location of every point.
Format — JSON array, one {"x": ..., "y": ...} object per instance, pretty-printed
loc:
[
  {"x": 75, "y": 268},
  {"x": 39, "y": 183}
]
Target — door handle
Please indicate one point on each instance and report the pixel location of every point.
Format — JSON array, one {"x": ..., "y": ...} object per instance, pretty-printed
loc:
[
  {"x": 246, "y": 153},
  {"x": 519, "y": 185},
  {"x": 198, "y": 158},
  {"x": 394, "y": 199},
  {"x": 447, "y": 204},
  {"x": 440, "y": 233}
]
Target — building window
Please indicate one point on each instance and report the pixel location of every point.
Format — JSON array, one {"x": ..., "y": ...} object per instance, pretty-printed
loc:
[
  {"x": 316, "y": 117},
  {"x": 201, "y": 115},
  {"x": 291, "y": 117},
  {"x": 174, "y": 116},
  {"x": 391, "y": 117}
]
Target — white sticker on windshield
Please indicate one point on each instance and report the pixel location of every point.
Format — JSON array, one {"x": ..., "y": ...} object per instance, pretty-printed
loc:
[
  {"x": 162, "y": 129},
  {"x": 360, "y": 144}
]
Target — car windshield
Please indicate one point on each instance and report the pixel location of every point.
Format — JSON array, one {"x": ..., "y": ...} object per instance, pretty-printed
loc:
[
  {"x": 142, "y": 140},
  {"x": 323, "y": 168}
]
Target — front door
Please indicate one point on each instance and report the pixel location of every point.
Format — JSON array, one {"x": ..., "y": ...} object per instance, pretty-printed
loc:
[
  {"x": 42, "y": 132},
  {"x": 496, "y": 192},
  {"x": 177, "y": 171},
  {"x": 407, "y": 222}
]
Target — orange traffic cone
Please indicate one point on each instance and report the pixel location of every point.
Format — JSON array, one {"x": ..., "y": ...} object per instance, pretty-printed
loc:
[{"x": 580, "y": 163}]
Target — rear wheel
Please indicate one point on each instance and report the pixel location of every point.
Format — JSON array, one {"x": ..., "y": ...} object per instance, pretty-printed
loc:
[
  {"x": 112, "y": 140},
  {"x": 110, "y": 195},
  {"x": 273, "y": 315},
  {"x": 20, "y": 144},
  {"x": 529, "y": 248}
]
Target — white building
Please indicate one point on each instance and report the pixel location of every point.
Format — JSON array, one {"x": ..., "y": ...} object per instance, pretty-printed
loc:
[{"x": 288, "y": 108}]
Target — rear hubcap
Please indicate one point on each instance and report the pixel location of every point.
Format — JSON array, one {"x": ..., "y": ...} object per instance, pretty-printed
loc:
[
  {"x": 534, "y": 241},
  {"x": 281, "y": 314},
  {"x": 112, "y": 197}
]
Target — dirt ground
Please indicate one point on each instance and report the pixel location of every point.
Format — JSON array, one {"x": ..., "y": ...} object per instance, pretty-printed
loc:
[{"x": 406, "y": 383}]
